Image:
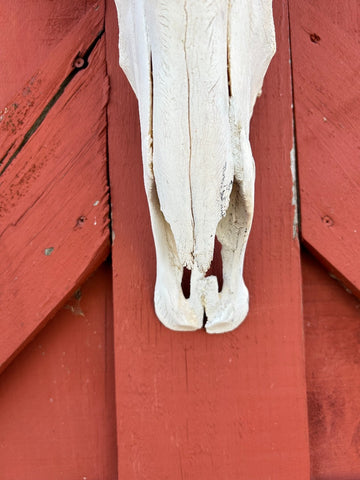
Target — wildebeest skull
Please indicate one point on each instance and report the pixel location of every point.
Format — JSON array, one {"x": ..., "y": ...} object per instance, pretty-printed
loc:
[{"x": 197, "y": 67}]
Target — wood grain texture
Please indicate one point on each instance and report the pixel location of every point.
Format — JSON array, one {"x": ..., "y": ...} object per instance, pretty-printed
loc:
[
  {"x": 326, "y": 62},
  {"x": 54, "y": 192},
  {"x": 29, "y": 31},
  {"x": 190, "y": 405},
  {"x": 36, "y": 96},
  {"x": 332, "y": 332},
  {"x": 57, "y": 399}
]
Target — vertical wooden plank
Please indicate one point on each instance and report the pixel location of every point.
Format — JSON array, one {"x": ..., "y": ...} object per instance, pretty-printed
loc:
[
  {"x": 190, "y": 405},
  {"x": 332, "y": 331},
  {"x": 57, "y": 399}
]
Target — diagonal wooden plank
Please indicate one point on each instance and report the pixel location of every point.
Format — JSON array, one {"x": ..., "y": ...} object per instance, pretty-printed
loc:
[
  {"x": 195, "y": 406},
  {"x": 53, "y": 185},
  {"x": 29, "y": 31},
  {"x": 17, "y": 118},
  {"x": 326, "y": 63}
]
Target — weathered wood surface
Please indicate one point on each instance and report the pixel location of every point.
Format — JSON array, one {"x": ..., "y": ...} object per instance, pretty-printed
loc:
[
  {"x": 198, "y": 406},
  {"x": 332, "y": 333},
  {"x": 326, "y": 62},
  {"x": 57, "y": 398},
  {"x": 29, "y": 32},
  {"x": 53, "y": 179}
]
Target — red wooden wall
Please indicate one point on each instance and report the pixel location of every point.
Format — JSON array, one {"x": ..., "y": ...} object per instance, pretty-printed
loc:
[
  {"x": 57, "y": 399},
  {"x": 104, "y": 391}
]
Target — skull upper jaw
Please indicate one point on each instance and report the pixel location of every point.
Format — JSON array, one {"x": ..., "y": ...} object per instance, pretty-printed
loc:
[{"x": 197, "y": 68}]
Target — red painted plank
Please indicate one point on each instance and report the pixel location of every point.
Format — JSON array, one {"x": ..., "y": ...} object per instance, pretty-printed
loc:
[
  {"x": 333, "y": 374},
  {"x": 195, "y": 406},
  {"x": 54, "y": 192},
  {"x": 57, "y": 399},
  {"x": 326, "y": 63},
  {"x": 19, "y": 115}
]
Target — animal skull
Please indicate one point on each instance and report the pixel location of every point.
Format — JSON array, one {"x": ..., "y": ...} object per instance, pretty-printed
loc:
[{"x": 196, "y": 67}]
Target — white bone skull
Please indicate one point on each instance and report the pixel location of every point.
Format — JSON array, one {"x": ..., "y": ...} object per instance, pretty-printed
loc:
[{"x": 196, "y": 67}]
